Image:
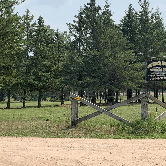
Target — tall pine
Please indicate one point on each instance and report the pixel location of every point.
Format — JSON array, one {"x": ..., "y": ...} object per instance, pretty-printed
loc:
[
  {"x": 11, "y": 45},
  {"x": 40, "y": 63}
]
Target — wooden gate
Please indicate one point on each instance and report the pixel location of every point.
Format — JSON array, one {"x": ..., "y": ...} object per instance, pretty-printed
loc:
[{"x": 144, "y": 108}]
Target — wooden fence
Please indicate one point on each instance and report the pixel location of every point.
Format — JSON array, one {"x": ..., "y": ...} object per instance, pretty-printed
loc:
[{"x": 144, "y": 108}]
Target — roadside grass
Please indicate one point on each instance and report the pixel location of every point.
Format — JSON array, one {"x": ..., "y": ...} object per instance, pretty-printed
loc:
[{"x": 53, "y": 121}]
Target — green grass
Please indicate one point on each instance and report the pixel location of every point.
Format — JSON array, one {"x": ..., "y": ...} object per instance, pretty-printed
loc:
[
  {"x": 18, "y": 104},
  {"x": 53, "y": 121}
]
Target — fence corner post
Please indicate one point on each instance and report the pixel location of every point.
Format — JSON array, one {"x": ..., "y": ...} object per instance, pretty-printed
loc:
[
  {"x": 144, "y": 108},
  {"x": 74, "y": 112}
]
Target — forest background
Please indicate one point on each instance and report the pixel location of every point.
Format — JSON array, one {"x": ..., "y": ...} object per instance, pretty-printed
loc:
[{"x": 96, "y": 57}]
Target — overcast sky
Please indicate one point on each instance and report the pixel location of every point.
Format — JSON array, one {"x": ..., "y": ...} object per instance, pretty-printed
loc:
[{"x": 57, "y": 13}]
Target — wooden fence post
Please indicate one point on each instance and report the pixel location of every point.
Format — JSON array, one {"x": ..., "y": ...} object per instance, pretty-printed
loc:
[
  {"x": 144, "y": 108},
  {"x": 74, "y": 112}
]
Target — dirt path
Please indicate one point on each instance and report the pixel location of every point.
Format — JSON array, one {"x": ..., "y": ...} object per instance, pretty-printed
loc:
[{"x": 75, "y": 152}]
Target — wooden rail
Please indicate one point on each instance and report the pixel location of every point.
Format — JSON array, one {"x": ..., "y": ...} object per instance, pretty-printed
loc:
[
  {"x": 159, "y": 103},
  {"x": 144, "y": 108},
  {"x": 98, "y": 112}
]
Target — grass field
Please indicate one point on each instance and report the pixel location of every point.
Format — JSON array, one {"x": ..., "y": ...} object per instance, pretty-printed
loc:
[{"x": 53, "y": 121}]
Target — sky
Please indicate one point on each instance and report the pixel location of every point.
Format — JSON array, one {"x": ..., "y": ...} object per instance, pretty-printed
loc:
[{"x": 57, "y": 13}]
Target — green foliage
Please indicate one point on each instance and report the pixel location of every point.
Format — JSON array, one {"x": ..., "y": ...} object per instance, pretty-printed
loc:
[
  {"x": 99, "y": 57},
  {"x": 97, "y": 54},
  {"x": 129, "y": 26},
  {"x": 146, "y": 128},
  {"x": 11, "y": 42},
  {"x": 24, "y": 62},
  {"x": 145, "y": 33},
  {"x": 48, "y": 49}
]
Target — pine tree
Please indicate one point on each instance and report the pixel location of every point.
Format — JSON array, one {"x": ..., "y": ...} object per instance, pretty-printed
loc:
[
  {"x": 24, "y": 67},
  {"x": 145, "y": 33},
  {"x": 86, "y": 44},
  {"x": 60, "y": 46},
  {"x": 46, "y": 64},
  {"x": 157, "y": 33},
  {"x": 11, "y": 41},
  {"x": 144, "y": 37},
  {"x": 40, "y": 63},
  {"x": 104, "y": 55},
  {"x": 129, "y": 27}
]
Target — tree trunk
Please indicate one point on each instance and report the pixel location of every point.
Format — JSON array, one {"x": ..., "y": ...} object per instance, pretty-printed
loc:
[
  {"x": 139, "y": 100},
  {"x": 110, "y": 97},
  {"x": 24, "y": 98},
  {"x": 129, "y": 93},
  {"x": 8, "y": 99},
  {"x": 97, "y": 95},
  {"x": 105, "y": 95},
  {"x": 100, "y": 96},
  {"x": 44, "y": 97},
  {"x": 136, "y": 93},
  {"x": 62, "y": 97},
  {"x": 80, "y": 93},
  {"x": 162, "y": 93},
  {"x": 2, "y": 96},
  {"x": 117, "y": 93},
  {"x": 93, "y": 98},
  {"x": 39, "y": 99},
  {"x": 155, "y": 91}
]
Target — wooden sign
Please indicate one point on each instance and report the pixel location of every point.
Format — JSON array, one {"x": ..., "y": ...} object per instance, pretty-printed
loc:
[{"x": 156, "y": 70}]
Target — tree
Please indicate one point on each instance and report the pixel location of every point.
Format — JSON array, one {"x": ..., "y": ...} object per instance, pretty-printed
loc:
[
  {"x": 129, "y": 27},
  {"x": 61, "y": 41},
  {"x": 118, "y": 68},
  {"x": 76, "y": 53},
  {"x": 48, "y": 47},
  {"x": 150, "y": 32},
  {"x": 11, "y": 40},
  {"x": 144, "y": 37},
  {"x": 145, "y": 33},
  {"x": 24, "y": 71},
  {"x": 100, "y": 50},
  {"x": 86, "y": 46},
  {"x": 119, "y": 71},
  {"x": 40, "y": 63},
  {"x": 158, "y": 34},
  {"x": 2, "y": 95}
]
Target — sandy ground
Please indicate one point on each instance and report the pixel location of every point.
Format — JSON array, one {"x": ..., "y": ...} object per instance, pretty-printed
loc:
[{"x": 73, "y": 152}]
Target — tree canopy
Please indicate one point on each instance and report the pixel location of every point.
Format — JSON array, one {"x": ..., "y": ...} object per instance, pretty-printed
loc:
[{"x": 96, "y": 55}]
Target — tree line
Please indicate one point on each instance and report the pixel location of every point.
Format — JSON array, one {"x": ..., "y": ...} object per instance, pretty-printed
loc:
[{"x": 95, "y": 56}]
